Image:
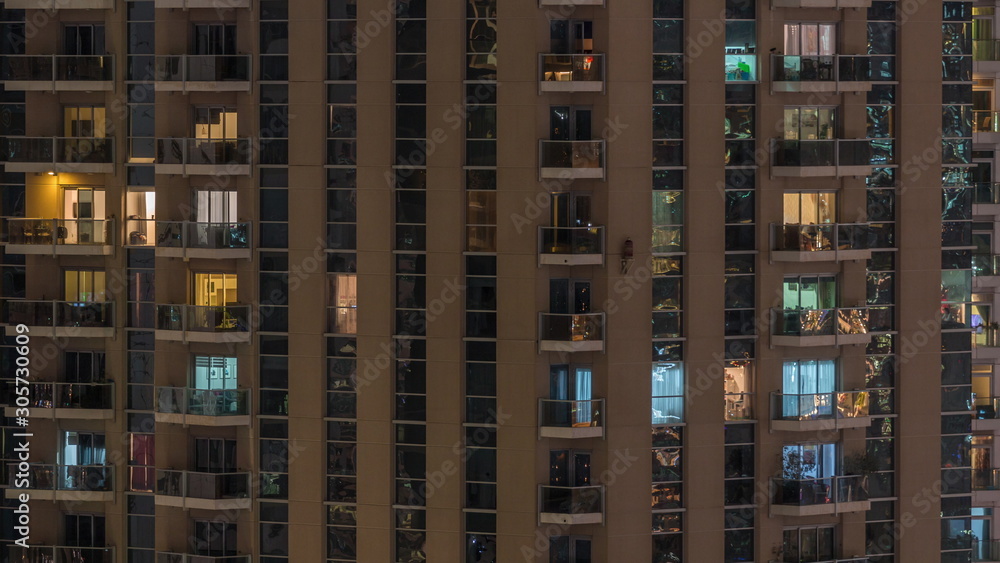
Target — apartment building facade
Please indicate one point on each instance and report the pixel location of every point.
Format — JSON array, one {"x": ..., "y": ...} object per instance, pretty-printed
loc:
[{"x": 498, "y": 280}]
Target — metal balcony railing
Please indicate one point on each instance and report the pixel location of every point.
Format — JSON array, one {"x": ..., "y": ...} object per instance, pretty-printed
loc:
[
  {"x": 587, "y": 327},
  {"x": 557, "y": 413},
  {"x": 60, "y": 554},
  {"x": 821, "y": 152},
  {"x": 986, "y": 479},
  {"x": 54, "y": 477},
  {"x": 58, "y": 150},
  {"x": 821, "y": 68},
  {"x": 201, "y": 485},
  {"x": 204, "y": 152},
  {"x": 61, "y": 395},
  {"x": 203, "y": 68},
  {"x": 985, "y": 121},
  {"x": 571, "y": 500},
  {"x": 985, "y": 550},
  {"x": 821, "y": 322},
  {"x": 571, "y": 240},
  {"x": 819, "y": 406},
  {"x": 200, "y": 318},
  {"x": 202, "y": 402},
  {"x": 57, "y": 68},
  {"x": 61, "y": 314},
  {"x": 821, "y": 237},
  {"x": 61, "y": 232},
  {"x": 569, "y": 72},
  {"x": 211, "y": 236},
  {"x": 821, "y": 490}
]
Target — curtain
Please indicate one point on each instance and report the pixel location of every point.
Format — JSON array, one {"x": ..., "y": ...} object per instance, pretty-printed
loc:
[
  {"x": 583, "y": 393},
  {"x": 668, "y": 393},
  {"x": 789, "y": 388}
]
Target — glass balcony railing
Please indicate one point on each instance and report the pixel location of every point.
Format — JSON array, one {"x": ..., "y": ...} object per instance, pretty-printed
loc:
[
  {"x": 60, "y": 554},
  {"x": 821, "y": 68},
  {"x": 987, "y": 408},
  {"x": 61, "y": 232},
  {"x": 986, "y": 50},
  {"x": 583, "y": 241},
  {"x": 210, "y": 236},
  {"x": 572, "y": 158},
  {"x": 571, "y": 500},
  {"x": 986, "y": 479},
  {"x": 821, "y": 152},
  {"x": 202, "y": 402},
  {"x": 203, "y": 68},
  {"x": 985, "y": 550},
  {"x": 57, "y": 68},
  {"x": 173, "y": 557},
  {"x": 197, "y": 318},
  {"x": 985, "y": 264},
  {"x": 987, "y": 193},
  {"x": 822, "y": 322},
  {"x": 985, "y": 121},
  {"x": 570, "y": 2},
  {"x": 555, "y": 413},
  {"x": 63, "y": 314},
  {"x": 571, "y": 328},
  {"x": 820, "y": 491},
  {"x": 141, "y": 232},
  {"x": 194, "y": 484},
  {"x": 203, "y": 152},
  {"x": 575, "y": 72},
  {"x": 52, "y": 477},
  {"x": 59, "y": 395},
  {"x": 821, "y": 237},
  {"x": 819, "y": 406},
  {"x": 739, "y": 406},
  {"x": 58, "y": 150}
]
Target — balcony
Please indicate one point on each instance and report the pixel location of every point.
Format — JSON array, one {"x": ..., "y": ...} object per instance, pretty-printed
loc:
[
  {"x": 195, "y": 323},
  {"x": 570, "y": 333},
  {"x": 985, "y": 486},
  {"x": 571, "y": 159},
  {"x": 827, "y": 242},
  {"x": 570, "y": 505},
  {"x": 67, "y": 401},
  {"x": 578, "y": 72},
  {"x": 571, "y": 246},
  {"x": 571, "y": 3},
  {"x": 216, "y": 4},
  {"x": 986, "y": 199},
  {"x": 175, "y": 557},
  {"x": 825, "y": 495},
  {"x": 830, "y": 73},
  {"x": 985, "y": 271},
  {"x": 59, "y": 4},
  {"x": 987, "y": 413},
  {"x": 821, "y": 158},
  {"x": 820, "y": 327},
  {"x": 205, "y": 491},
  {"x": 60, "y": 554},
  {"x": 185, "y": 239},
  {"x": 819, "y": 411},
  {"x": 78, "y": 155},
  {"x": 203, "y": 73},
  {"x": 986, "y": 551},
  {"x": 61, "y": 319},
  {"x": 570, "y": 419},
  {"x": 986, "y": 50},
  {"x": 838, "y": 4},
  {"x": 47, "y": 481},
  {"x": 61, "y": 237},
  {"x": 739, "y": 406},
  {"x": 58, "y": 73},
  {"x": 187, "y": 157},
  {"x": 202, "y": 407},
  {"x": 986, "y": 344}
]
